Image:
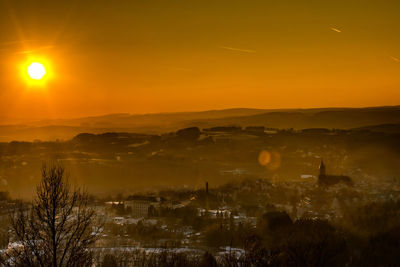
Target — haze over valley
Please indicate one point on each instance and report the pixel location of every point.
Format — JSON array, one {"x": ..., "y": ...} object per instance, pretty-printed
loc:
[{"x": 330, "y": 118}]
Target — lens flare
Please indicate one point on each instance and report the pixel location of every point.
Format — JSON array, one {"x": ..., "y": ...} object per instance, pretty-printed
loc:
[
  {"x": 270, "y": 159},
  {"x": 264, "y": 158}
]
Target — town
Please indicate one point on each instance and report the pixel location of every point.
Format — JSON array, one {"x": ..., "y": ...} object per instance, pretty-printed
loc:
[{"x": 222, "y": 218}]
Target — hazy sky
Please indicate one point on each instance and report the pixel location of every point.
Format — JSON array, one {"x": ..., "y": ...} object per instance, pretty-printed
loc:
[{"x": 156, "y": 56}]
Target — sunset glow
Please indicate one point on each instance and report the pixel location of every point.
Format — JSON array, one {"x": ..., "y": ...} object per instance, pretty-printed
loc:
[
  {"x": 200, "y": 133},
  {"x": 170, "y": 57}
]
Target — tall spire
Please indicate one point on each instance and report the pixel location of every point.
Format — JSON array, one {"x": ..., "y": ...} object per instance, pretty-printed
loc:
[{"x": 322, "y": 168}]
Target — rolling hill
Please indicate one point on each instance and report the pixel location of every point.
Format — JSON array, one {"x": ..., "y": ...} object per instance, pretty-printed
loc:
[{"x": 343, "y": 118}]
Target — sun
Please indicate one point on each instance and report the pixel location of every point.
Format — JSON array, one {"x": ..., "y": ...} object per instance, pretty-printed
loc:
[{"x": 36, "y": 71}]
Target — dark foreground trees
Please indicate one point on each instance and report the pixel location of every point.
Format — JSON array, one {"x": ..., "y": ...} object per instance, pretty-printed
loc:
[
  {"x": 57, "y": 229},
  {"x": 314, "y": 243}
]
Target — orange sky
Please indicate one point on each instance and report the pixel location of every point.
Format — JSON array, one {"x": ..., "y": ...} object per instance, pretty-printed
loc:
[{"x": 163, "y": 56}]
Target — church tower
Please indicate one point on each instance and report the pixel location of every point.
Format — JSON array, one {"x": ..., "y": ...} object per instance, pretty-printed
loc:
[
  {"x": 322, "y": 171},
  {"x": 326, "y": 179}
]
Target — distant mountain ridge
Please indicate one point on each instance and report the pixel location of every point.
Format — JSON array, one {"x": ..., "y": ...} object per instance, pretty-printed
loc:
[
  {"x": 341, "y": 118},
  {"x": 319, "y": 118}
]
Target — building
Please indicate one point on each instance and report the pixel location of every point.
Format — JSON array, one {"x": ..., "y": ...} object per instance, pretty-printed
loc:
[
  {"x": 143, "y": 206},
  {"x": 326, "y": 179}
]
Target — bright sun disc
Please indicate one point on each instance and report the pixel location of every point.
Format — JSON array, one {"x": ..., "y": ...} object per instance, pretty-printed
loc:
[{"x": 36, "y": 71}]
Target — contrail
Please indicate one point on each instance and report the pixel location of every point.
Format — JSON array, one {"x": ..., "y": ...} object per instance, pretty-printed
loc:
[
  {"x": 335, "y": 29},
  {"x": 395, "y": 59},
  {"x": 237, "y": 49}
]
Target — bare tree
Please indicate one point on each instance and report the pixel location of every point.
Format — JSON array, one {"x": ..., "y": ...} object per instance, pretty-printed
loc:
[{"x": 57, "y": 229}]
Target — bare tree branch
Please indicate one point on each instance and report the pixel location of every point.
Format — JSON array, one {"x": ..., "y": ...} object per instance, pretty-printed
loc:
[{"x": 56, "y": 229}]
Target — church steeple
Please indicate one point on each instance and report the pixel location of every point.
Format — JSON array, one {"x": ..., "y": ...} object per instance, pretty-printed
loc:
[{"x": 322, "y": 171}]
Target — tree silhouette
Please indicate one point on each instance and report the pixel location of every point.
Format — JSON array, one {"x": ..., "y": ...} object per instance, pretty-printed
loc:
[
  {"x": 109, "y": 260},
  {"x": 57, "y": 228},
  {"x": 314, "y": 243}
]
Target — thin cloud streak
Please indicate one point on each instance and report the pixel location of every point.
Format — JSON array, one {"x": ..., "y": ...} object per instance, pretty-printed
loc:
[
  {"x": 237, "y": 49},
  {"x": 17, "y": 51},
  {"x": 36, "y": 49},
  {"x": 13, "y": 43},
  {"x": 335, "y": 29}
]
